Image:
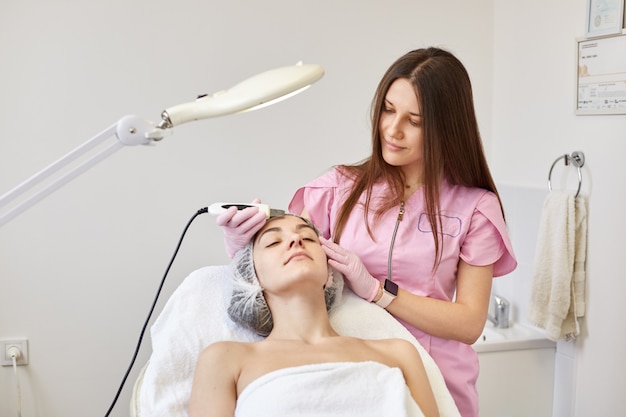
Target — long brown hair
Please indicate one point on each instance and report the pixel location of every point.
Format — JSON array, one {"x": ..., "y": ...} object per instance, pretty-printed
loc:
[{"x": 452, "y": 147}]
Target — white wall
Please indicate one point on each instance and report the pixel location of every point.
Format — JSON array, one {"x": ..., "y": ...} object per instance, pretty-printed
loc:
[
  {"x": 78, "y": 272},
  {"x": 533, "y": 124}
]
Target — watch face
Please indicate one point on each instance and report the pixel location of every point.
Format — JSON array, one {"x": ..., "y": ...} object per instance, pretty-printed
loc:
[{"x": 391, "y": 287}]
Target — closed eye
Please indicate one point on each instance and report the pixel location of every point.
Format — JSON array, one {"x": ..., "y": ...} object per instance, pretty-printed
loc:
[{"x": 415, "y": 123}]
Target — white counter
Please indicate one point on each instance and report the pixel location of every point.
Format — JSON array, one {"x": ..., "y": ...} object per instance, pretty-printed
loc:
[{"x": 515, "y": 337}]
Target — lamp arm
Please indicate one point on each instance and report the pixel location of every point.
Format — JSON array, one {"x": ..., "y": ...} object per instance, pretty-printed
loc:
[
  {"x": 129, "y": 130},
  {"x": 56, "y": 166}
]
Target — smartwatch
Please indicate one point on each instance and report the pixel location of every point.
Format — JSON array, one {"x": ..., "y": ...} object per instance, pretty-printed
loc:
[{"x": 390, "y": 291}]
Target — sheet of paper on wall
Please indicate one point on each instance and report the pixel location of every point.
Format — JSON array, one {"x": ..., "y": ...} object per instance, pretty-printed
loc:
[{"x": 602, "y": 76}]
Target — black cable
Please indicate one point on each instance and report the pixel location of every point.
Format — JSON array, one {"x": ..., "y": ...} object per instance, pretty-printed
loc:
[{"x": 156, "y": 298}]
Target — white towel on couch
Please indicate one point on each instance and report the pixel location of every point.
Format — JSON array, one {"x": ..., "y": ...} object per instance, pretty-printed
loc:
[{"x": 195, "y": 316}]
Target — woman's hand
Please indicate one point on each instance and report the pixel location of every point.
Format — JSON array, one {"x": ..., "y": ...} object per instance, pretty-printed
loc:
[
  {"x": 239, "y": 226},
  {"x": 349, "y": 264}
]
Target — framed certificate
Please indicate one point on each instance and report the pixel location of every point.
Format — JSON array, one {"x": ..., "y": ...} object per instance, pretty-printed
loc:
[
  {"x": 601, "y": 81},
  {"x": 604, "y": 17}
]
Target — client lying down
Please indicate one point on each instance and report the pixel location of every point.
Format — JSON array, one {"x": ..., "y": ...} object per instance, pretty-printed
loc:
[{"x": 283, "y": 289}]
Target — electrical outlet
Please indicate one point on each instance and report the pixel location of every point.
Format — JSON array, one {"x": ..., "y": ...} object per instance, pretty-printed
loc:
[{"x": 21, "y": 344}]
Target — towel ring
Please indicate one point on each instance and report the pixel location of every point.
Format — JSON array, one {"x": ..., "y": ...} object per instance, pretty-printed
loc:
[{"x": 577, "y": 159}]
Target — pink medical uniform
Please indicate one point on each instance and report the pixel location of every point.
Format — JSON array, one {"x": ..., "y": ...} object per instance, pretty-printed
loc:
[{"x": 473, "y": 230}]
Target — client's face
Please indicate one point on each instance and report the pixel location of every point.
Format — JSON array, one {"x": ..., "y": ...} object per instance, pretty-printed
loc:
[{"x": 287, "y": 249}]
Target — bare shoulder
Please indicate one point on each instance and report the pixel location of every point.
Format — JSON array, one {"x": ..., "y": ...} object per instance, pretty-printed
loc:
[
  {"x": 397, "y": 352},
  {"x": 396, "y": 345},
  {"x": 214, "y": 388},
  {"x": 225, "y": 347},
  {"x": 221, "y": 355}
]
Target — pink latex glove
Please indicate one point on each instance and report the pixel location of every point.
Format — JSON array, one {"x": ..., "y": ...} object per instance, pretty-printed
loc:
[
  {"x": 239, "y": 226},
  {"x": 349, "y": 264}
]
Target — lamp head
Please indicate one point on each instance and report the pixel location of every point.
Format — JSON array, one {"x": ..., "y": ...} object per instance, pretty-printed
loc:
[{"x": 255, "y": 92}]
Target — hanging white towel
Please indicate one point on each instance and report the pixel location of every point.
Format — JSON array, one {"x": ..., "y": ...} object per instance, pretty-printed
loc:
[{"x": 558, "y": 287}]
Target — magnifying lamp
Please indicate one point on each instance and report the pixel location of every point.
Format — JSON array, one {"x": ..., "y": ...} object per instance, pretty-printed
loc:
[{"x": 253, "y": 93}]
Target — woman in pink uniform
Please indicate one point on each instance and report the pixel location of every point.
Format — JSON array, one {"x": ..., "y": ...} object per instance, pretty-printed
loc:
[{"x": 418, "y": 227}]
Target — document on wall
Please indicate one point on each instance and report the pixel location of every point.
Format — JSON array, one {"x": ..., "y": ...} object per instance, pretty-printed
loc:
[{"x": 602, "y": 76}]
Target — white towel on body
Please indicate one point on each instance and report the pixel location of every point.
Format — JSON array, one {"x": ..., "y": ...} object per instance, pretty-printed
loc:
[
  {"x": 341, "y": 389},
  {"x": 558, "y": 289},
  {"x": 195, "y": 316}
]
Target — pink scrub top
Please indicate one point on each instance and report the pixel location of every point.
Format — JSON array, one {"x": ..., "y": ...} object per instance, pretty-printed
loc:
[{"x": 473, "y": 230}]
